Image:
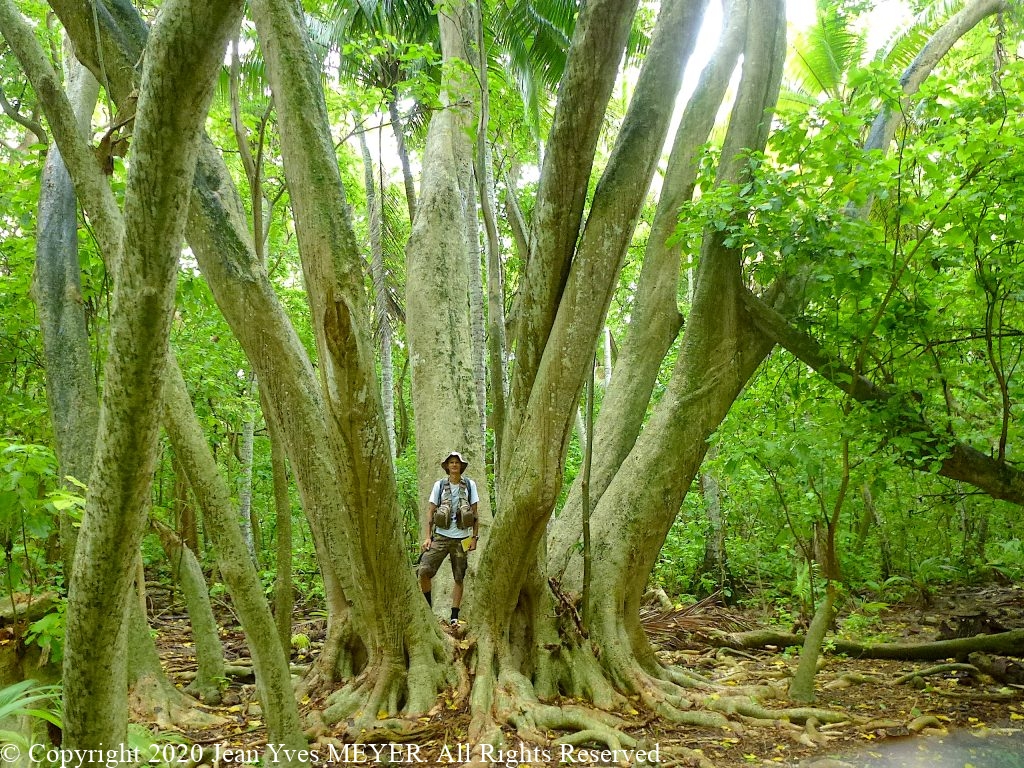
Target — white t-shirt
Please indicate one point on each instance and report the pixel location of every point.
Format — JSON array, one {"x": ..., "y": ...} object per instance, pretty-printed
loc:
[{"x": 452, "y": 531}]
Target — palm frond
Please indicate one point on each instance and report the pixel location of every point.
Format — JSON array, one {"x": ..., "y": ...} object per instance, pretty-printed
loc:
[
  {"x": 901, "y": 48},
  {"x": 825, "y": 52}
]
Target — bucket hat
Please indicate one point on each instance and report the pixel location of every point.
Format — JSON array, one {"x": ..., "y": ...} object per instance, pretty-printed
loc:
[{"x": 457, "y": 455}]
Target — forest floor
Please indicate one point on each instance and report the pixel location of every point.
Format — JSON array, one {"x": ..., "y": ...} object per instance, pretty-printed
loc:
[{"x": 949, "y": 719}]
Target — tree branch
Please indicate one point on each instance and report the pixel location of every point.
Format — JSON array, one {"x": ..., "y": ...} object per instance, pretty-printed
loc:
[
  {"x": 25, "y": 122},
  {"x": 956, "y": 460}
]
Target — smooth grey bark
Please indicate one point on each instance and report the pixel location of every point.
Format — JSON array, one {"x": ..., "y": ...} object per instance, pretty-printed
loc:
[
  {"x": 188, "y": 574},
  {"x": 273, "y": 678},
  {"x": 715, "y": 562},
  {"x": 656, "y": 321},
  {"x": 246, "y": 515},
  {"x": 439, "y": 256},
  {"x": 398, "y": 127},
  {"x": 888, "y": 121},
  {"x": 477, "y": 324},
  {"x": 57, "y": 291}
]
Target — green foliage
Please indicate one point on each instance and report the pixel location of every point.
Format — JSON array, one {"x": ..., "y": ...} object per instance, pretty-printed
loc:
[
  {"x": 30, "y": 502},
  {"x": 48, "y": 633},
  {"x": 29, "y": 698}
]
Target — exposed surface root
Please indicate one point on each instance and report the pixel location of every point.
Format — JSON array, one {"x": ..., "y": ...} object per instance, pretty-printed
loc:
[
  {"x": 382, "y": 695},
  {"x": 736, "y": 705},
  {"x": 154, "y": 700}
]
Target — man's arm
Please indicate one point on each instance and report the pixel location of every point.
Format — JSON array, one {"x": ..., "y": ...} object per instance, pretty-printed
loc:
[
  {"x": 431, "y": 507},
  {"x": 476, "y": 517}
]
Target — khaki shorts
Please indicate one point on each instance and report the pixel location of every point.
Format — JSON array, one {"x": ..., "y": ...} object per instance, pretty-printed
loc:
[{"x": 440, "y": 548}]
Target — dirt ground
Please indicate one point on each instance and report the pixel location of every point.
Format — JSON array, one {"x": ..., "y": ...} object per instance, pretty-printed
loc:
[{"x": 950, "y": 719}]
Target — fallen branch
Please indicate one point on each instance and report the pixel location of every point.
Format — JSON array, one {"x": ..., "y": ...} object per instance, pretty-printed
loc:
[
  {"x": 936, "y": 670},
  {"x": 1004, "y": 643}
]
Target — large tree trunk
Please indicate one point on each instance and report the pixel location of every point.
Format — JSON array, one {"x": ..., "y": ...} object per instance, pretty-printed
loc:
[
  {"x": 568, "y": 293},
  {"x": 439, "y": 256},
  {"x": 185, "y": 51},
  {"x": 380, "y": 287},
  {"x": 358, "y": 559},
  {"x": 57, "y": 291},
  {"x": 656, "y": 322},
  {"x": 719, "y": 352},
  {"x": 404, "y": 645}
]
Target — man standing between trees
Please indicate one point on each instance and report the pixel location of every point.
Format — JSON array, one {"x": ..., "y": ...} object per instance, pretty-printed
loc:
[{"x": 451, "y": 520}]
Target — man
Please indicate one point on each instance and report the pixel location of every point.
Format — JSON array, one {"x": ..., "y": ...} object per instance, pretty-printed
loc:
[{"x": 451, "y": 520}]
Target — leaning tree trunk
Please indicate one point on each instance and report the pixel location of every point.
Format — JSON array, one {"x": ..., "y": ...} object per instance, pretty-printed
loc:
[
  {"x": 398, "y": 127},
  {"x": 404, "y": 645},
  {"x": 218, "y": 234},
  {"x": 188, "y": 574},
  {"x": 57, "y": 291},
  {"x": 720, "y": 351},
  {"x": 185, "y": 52},
  {"x": 75, "y": 415},
  {"x": 801, "y": 688},
  {"x": 567, "y": 289},
  {"x": 246, "y": 518},
  {"x": 656, "y": 322},
  {"x": 273, "y": 678}
]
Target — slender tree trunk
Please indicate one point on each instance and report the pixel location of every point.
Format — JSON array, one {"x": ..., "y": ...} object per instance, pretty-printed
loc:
[
  {"x": 383, "y": 317},
  {"x": 715, "y": 563},
  {"x": 184, "y": 512},
  {"x": 188, "y": 574},
  {"x": 398, "y": 127},
  {"x": 245, "y": 511},
  {"x": 57, "y": 291},
  {"x": 477, "y": 322},
  {"x": 273, "y": 678},
  {"x": 801, "y": 688},
  {"x": 284, "y": 596},
  {"x": 496, "y": 343}
]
